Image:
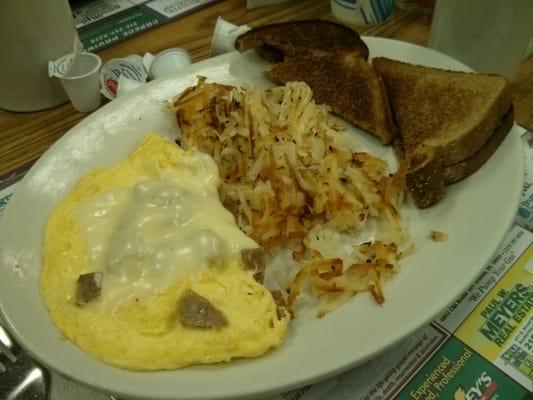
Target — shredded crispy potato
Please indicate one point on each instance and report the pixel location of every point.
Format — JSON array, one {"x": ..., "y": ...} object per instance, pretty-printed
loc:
[{"x": 290, "y": 181}]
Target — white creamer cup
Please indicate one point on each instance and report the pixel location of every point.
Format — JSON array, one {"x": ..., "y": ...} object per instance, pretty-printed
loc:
[
  {"x": 130, "y": 67},
  {"x": 224, "y": 36},
  {"x": 169, "y": 61},
  {"x": 137, "y": 59},
  {"x": 79, "y": 79},
  {"x": 126, "y": 85},
  {"x": 147, "y": 59}
]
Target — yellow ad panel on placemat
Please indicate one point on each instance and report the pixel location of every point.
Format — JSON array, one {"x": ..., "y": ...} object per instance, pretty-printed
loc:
[{"x": 505, "y": 309}]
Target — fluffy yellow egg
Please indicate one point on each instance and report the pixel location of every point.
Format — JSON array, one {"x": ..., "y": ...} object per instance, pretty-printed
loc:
[{"x": 171, "y": 289}]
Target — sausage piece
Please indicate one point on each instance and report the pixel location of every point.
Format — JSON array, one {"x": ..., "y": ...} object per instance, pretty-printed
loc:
[
  {"x": 88, "y": 287},
  {"x": 195, "y": 311}
]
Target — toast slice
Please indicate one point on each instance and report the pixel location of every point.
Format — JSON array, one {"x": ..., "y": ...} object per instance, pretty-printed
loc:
[
  {"x": 347, "y": 83},
  {"x": 456, "y": 172},
  {"x": 427, "y": 181},
  {"x": 276, "y": 41},
  {"x": 330, "y": 58},
  {"x": 444, "y": 119},
  {"x": 453, "y": 113}
]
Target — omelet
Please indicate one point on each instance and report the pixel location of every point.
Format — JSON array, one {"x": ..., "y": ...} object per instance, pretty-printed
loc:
[{"x": 144, "y": 269}]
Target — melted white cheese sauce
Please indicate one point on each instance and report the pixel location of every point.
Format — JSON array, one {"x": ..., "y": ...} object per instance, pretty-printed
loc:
[{"x": 146, "y": 237}]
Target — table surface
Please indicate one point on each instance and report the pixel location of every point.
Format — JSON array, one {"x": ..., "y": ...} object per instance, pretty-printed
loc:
[{"x": 25, "y": 136}]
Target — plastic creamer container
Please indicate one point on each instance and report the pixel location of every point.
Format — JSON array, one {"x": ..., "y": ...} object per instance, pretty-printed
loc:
[{"x": 130, "y": 67}]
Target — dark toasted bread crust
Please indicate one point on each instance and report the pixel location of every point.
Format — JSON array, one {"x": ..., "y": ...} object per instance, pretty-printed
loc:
[
  {"x": 455, "y": 173},
  {"x": 270, "y": 53},
  {"x": 427, "y": 176},
  {"x": 424, "y": 100},
  {"x": 449, "y": 122},
  {"x": 425, "y": 179},
  {"x": 349, "y": 85},
  {"x": 303, "y": 37}
]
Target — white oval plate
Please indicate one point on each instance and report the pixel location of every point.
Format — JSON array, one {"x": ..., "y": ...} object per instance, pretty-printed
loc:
[{"x": 476, "y": 214}]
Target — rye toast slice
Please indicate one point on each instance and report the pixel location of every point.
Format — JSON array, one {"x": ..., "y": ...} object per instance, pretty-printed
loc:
[
  {"x": 444, "y": 118},
  {"x": 347, "y": 83},
  {"x": 452, "y": 112},
  {"x": 456, "y": 172},
  {"x": 276, "y": 41},
  {"x": 428, "y": 180}
]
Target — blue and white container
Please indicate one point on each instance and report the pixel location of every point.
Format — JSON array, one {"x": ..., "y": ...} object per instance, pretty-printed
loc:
[
  {"x": 130, "y": 67},
  {"x": 362, "y": 12}
]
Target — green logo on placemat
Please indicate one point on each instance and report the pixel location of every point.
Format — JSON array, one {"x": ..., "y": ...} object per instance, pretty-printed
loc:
[{"x": 457, "y": 372}]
